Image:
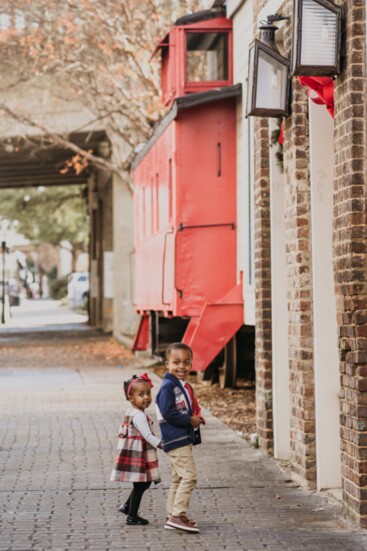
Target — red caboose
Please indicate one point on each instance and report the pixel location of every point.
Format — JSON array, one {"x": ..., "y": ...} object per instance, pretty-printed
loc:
[{"x": 185, "y": 274}]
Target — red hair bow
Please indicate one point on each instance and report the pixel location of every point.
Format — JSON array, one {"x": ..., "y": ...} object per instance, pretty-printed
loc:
[{"x": 146, "y": 378}]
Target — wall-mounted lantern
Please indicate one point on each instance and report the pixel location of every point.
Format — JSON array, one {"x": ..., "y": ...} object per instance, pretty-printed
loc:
[
  {"x": 316, "y": 38},
  {"x": 268, "y": 74}
]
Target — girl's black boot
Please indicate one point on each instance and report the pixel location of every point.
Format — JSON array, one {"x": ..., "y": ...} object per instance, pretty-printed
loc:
[
  {"x": 124, "y": 509},
  {"x": 136, "y": 520}
]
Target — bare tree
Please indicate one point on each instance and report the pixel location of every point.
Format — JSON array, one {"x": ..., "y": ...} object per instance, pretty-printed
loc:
[{"x": 95, "y": 51}]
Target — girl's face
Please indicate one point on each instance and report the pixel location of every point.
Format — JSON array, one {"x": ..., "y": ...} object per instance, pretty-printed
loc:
[
  {"x": 179, "y": 363},
  {"x": 140, "y": 395}
]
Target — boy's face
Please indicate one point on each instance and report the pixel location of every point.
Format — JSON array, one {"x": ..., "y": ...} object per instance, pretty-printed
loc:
[{"x": 179, "y": 363}]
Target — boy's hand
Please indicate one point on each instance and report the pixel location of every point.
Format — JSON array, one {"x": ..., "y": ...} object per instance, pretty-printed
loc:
[{"x": 195, "y": 421}]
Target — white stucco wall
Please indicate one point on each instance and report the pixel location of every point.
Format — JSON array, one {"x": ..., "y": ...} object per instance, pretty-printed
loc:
[
  {"x": 242, "y": 15},
  {"x": 125, "y": 320},
  {"x": 326, "y": 359},
  {"x": 279, "y": 309}
]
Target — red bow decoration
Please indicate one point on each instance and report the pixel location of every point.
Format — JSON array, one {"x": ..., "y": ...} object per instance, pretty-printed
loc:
[
  {"x": 281, "y": 134},
  {"x": 324, "y": 88},
  {"x": 144, "y": 378}
]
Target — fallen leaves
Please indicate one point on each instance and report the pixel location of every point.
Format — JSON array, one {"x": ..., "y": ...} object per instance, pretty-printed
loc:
[
  {"x": 65, "y": 351},
  {"x": 235, "y": 407}
]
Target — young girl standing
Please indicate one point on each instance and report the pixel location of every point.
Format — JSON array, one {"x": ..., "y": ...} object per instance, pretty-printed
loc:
[{"x": 137, "y": 461}]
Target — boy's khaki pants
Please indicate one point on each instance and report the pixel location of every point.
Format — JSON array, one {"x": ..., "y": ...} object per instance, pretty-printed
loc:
[{"x": 184, "y": 480}]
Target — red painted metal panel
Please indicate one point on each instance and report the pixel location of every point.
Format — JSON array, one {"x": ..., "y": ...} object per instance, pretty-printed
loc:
[
  {"x": 217, "y": 324},
  {"x": 185, "y": 207},
  {"x": 141, "y": 339},
  {"x": 192, "y": 258}
]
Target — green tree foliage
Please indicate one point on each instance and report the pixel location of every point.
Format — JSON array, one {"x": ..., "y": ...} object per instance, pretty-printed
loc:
[{"x": 48, "y": 215}]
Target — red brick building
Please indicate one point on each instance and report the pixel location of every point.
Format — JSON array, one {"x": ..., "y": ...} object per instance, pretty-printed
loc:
[{"x": 309, "y": 255}]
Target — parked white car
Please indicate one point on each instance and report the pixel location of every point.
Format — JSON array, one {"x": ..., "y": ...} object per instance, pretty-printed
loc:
[{"x": 78, "y": 289}]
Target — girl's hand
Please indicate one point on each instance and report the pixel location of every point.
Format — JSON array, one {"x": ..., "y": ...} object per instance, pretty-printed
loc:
[{"x": 195, "y": 421}]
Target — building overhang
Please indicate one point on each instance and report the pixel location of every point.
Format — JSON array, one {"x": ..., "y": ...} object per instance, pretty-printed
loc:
[{"x": 33, "y": 162}]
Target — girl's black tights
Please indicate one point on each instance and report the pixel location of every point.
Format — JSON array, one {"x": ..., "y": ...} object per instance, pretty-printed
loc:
[{"x": 134, "y": 499}]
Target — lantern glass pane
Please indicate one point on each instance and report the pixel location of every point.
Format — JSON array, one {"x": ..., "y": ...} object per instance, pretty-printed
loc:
[
  {"x": 250, "y": 81},
  {"x": 319, "y": 26},
  {"x": 271, "y": 83}
]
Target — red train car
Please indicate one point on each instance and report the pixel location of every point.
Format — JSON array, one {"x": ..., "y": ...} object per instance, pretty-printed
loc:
[{"x": 185, "y": 271}]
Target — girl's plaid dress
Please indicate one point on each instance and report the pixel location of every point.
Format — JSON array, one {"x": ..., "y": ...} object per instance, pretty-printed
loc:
[{"x": 137, "y": 460}]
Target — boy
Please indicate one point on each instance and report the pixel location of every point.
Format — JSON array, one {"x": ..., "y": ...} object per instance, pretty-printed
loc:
[{"x": 179, "y": 420}]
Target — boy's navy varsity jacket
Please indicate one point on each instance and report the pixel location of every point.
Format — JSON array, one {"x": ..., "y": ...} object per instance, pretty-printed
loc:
[{"x": 174, "y": 414}]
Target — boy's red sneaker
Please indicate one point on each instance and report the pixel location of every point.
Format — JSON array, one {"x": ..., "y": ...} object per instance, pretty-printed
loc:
[
  {"x": 182, "y": 523},
  {"x": 183, "y": 517}
]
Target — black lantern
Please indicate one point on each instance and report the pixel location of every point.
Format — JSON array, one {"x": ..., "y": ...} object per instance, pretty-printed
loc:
[
  {"x": 316, "y": 38},
  {"x": 268, "y": 75}
]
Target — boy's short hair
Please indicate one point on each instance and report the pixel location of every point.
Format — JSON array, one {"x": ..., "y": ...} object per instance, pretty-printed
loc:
[{"x": 178, "y": 346}]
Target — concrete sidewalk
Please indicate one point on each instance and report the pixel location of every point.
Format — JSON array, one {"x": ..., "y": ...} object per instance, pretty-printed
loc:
[{"x": 58, "y": 436}]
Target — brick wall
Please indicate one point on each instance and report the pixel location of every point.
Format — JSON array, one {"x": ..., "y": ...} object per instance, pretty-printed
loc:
[
  {"x": 298, "y": 235},
  {"x": 350, "y": 259},
  {"x": 263, "y": 330},
  {"x": 299, "y": 273},
  {"x": 264, "y": 413},
  {"x": 296, "y": 162},
  {"x": 350, "y": 264}
]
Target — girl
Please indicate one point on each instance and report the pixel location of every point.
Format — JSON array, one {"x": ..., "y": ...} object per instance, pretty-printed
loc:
[{"x": 137, "y": 461}]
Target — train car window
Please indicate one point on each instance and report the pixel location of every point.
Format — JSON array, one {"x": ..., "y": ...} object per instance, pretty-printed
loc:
[
  {"x": 206, "y": 56},
  {"x": 165, "y": 74}
]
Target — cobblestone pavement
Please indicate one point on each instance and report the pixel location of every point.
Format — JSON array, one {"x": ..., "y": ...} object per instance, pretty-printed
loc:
[{"x": 58, "y": 436}]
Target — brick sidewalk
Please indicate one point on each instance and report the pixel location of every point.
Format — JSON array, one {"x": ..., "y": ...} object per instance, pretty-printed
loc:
[{"x": 58, "y": 428}]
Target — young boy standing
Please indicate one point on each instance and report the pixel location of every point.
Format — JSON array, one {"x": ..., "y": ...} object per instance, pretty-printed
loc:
[{"x": 179, "y": 419}]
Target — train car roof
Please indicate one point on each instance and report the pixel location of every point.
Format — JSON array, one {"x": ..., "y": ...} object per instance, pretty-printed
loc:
[
  {"x": 190, "y": 19},
  {"x": 181, "y": 103},
  {"x": 198, "y": 16}
]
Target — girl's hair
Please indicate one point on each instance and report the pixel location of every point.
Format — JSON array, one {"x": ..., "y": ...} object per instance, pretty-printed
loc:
[
  {"x": 178, "y": 346},
  {"x": 128, "y": 382}
]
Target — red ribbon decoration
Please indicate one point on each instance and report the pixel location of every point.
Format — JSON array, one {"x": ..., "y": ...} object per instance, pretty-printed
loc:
[
  {"x": 281, "y": 134},
  {"x": 324, "y": 88}
]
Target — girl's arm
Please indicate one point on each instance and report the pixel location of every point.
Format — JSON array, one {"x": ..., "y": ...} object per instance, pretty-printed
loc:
[{"x": 140, "y": 422}]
